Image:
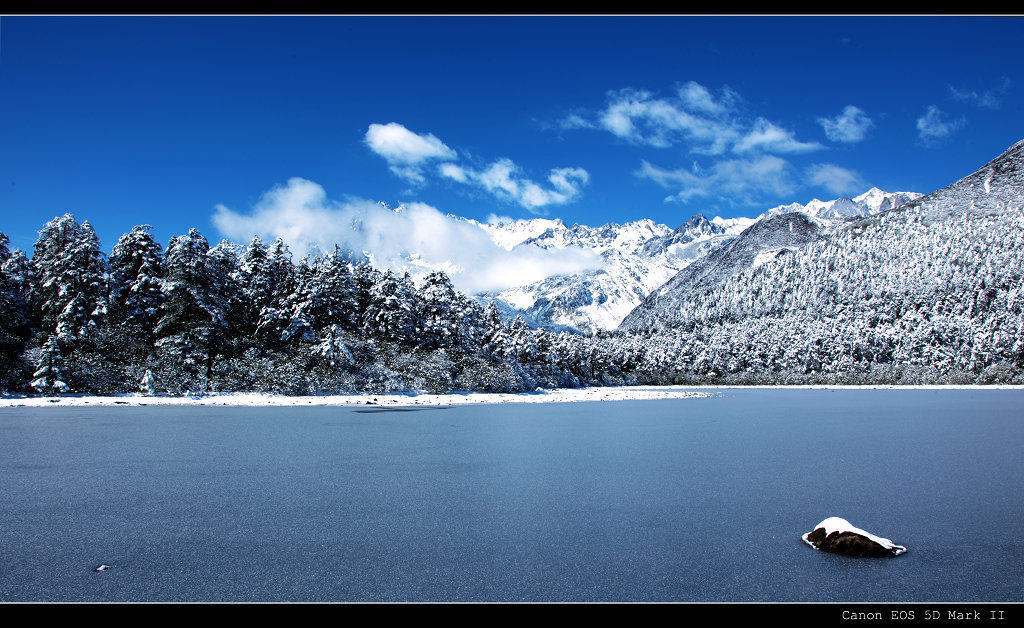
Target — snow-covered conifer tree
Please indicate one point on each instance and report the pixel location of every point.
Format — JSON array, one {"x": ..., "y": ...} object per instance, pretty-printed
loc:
[
  {"x": 272, "y": 286},
  {"x": 438, "y": 314},
  {"x": 390, "y": 312},
  {"x": 49, "y": 375},
  {"x": 14, "y": 314},
  {"x": 147, "y": 385},
  {"x": 69, "y": 262},
  {"x": 136, "y": 280},
  {"x": 193, "y": 321}
]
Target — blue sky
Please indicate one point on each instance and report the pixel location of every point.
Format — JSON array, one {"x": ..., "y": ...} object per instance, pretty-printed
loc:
[{"x": 164, "y": 120}]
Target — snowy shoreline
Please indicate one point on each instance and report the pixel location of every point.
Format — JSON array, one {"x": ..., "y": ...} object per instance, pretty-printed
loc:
[{"x": 559, "y": 395}]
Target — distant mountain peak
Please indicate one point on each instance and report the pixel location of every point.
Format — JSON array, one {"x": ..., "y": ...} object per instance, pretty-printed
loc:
[{"x": 845, "y": 209}]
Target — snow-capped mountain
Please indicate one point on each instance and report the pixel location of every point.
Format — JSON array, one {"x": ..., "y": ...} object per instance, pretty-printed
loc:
[
  {"x": 637, "y": 257},
  {"x": 836, "y": 212},
  {"x": 632, "y": 259},
  {"x": 641, "y": 256},
  {"x": 775, "y": 233}
]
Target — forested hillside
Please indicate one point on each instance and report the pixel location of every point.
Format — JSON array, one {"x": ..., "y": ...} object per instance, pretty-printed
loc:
[{"x": 927, "y": 292}]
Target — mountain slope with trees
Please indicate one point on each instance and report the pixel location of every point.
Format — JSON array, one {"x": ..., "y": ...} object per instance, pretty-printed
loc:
[{"x": 926, "y": 292}]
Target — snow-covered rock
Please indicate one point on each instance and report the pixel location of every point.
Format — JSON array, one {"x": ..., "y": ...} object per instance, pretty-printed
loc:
[{"x": 839, "y": 536}]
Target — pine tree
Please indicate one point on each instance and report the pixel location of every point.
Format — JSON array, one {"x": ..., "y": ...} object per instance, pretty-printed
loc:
[
  {"x": 364, "y": 276},
  {"x": 21, "y": 273},
  {"x": 193, "y": 321},
  {"x": 147, "y": 385},
  {"x": 438, "y": 312},
  {"x": 49, "y": 374},
  {"x": 522, "y": 344},
  {"x": 69, "y": 262},
  {"x": 495, "y": 339},
  {"x": 390, "y": 312},
  {"x": 225, "y": 269},
  {"x": 298, "y": 305},
  {"x": 332, "y": 297},
  {"x": 74, "y": 325},
  {"x": 273, "y": 285},
  {"x": 14, "y": 316},
  {"x": 332, "y": 349},
  {"x": 136, "y": 280}
]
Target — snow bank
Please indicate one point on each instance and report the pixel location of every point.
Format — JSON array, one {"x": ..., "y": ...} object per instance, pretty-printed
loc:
[
  {"x": 868, "y": 387},
  {"x": 557, "y": 395},
  {"x": 560, "y": 395}
]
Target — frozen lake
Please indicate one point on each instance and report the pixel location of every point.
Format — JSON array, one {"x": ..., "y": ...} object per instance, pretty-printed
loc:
[{"x": 695, "y": 499}]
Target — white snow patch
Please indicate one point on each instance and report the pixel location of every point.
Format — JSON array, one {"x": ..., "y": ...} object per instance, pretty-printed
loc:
[
  {"x": 557, "y": 395},
  {"x": 766, "y": 256},
  {"x": 733, "y": 226}
]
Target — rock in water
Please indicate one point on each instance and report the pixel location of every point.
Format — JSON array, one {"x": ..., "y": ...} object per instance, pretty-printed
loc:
[{"x": 838, "y": 535}]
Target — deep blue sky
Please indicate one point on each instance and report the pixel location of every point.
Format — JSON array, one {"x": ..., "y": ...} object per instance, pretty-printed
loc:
[{"x": 157, "y": 120}]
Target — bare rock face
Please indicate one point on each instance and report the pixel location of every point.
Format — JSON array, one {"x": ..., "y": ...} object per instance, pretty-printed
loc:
[{"x": 838, "y": 536}]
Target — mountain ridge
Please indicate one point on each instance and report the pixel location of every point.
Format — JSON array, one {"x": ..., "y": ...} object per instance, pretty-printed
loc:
[
  {"x": 635, "y": 266},
  {"x": 929, "y": 291}
]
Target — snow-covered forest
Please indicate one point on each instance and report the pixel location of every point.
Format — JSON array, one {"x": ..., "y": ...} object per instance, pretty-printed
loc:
[
  {"x": 195, "y": 318},
  {"x": 929, "y": 292}
]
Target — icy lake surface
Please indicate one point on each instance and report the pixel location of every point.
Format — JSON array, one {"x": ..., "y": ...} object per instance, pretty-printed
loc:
[{"x": 694, "y": 499}]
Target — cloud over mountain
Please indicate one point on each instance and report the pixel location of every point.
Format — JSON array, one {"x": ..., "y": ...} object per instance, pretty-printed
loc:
[
  {"x": 835, "y": 179},
  {"x": 415, "y": 234}
]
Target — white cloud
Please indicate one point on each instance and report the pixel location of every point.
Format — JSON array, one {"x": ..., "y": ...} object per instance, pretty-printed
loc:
[
  {"x": 301, "y": 214},
  {"x": 502, "y": 179},
  {"x": 575, "y": 121},
  {"x": 741, "y": 181},
  {"x": 986, "y": 99},
  {"x": 454, "y": 171},
  {"x": 933, "y": 125},
  {"x": 705, "y": 122},
  {"x": 835, "y": 179},
  {"x": 698, "y": 98},
  {"x": 406, "y": 152},
  {"x": 767, "y": 137},
  {"x": 637, "y": 116},
  {"x": 851, "y": 125}
]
